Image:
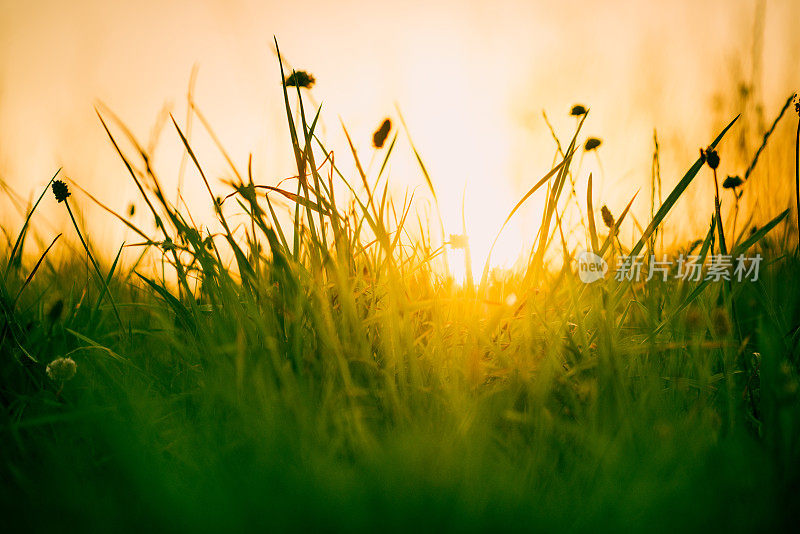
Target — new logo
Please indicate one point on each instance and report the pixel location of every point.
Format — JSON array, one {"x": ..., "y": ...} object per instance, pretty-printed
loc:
[{"x": 591, "y": 267}]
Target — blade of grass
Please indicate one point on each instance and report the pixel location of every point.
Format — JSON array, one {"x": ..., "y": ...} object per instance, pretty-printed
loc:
[
  {"x": 590, "y": 215},
  {"x": 18, "y": 244},
  {"x": 32, "y": 273}
]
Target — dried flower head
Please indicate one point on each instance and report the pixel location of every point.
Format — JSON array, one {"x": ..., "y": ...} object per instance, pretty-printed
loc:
[
  {"x": 732, "y": 182},
  {"x": 61, "y": 369},
  {"x": 608, "y": 219},
  {"x": 592, "y": 143},
  {"x": 379, "y": 137},
  {"x": 60, "y": 190},
  {"x": 300, "y": 78},
  {"x": 578, "y": 110},
  {"x": 710, "y": 156}
]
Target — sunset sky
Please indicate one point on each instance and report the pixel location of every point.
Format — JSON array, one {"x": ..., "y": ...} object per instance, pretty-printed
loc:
[{"x": 472, "y": 79}]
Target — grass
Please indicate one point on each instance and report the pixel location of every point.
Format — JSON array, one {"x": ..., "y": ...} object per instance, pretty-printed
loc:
[{"x": 325, "y": 374}]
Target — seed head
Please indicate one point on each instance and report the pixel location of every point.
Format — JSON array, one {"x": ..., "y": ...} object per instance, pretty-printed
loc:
[
  {"x": 248, "y": 191},
  {"x": 732, "y": 182},
  {"x": 60, "y": 190},
  {"x": 167, "y": 245},
  {"x": 608, "y": 219},
  {"x": 61, "y": 369},
  {"x": 710, "y": 156},
  {"x": 379, "y": 137},
  {"x": 592, "y": 143},
  {"x": 300, "y": 78},
  {"x": 578, "y": 110}
]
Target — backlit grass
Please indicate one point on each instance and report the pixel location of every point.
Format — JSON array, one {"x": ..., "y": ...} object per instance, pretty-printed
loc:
[{"x": 322, "y": 370}]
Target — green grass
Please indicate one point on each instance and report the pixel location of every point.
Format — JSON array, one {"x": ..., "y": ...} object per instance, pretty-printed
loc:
[{"x": 326, "y": 375}]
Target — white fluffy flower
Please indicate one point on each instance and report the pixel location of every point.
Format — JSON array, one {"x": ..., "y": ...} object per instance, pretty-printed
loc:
[{"x": 61, "y": 369}]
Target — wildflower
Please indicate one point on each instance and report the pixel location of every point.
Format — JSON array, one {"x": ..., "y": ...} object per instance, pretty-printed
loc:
[
  {"x": 61, "y": 369},
  {"x": 60, "y": 190},
  {"x": 608, "y": 219},
  {"x": 592, "y": 143},
  {"x": 710, "y": 156},
  {"x": 300, "y": 78},
  {"x": 379, "y": 137},
  {"x": 578, "y": 110},
  {"x": 732, "y": 182}
]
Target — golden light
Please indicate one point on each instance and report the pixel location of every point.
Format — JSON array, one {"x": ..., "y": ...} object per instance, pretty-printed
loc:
[{"x": 472, "y": 80}]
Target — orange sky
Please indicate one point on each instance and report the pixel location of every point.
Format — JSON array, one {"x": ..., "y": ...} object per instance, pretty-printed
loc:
[{"x": 472, "y": 79}]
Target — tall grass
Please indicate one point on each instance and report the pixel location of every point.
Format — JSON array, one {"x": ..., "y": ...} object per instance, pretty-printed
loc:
[{"x": 323, "y": 373}]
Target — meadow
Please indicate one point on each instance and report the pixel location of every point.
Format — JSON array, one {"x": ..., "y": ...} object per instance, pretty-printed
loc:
[{"x": 327, "y": 373}]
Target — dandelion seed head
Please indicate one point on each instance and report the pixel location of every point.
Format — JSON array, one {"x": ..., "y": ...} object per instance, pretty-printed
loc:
[{"x": 61, "y": 369}]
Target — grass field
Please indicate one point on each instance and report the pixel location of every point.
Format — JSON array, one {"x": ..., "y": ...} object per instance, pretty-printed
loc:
[{"x": 327, "y": 374}]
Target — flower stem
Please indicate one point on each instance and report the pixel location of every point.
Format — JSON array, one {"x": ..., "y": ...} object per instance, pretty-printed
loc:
[
  {"x": 797, "y": 180},
  {"x": 723, "y": 249},
  {"x": 103, "y": 285}
]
